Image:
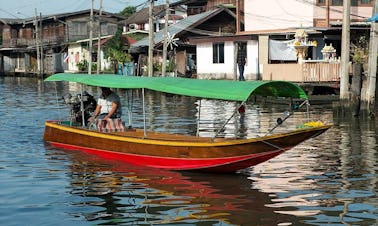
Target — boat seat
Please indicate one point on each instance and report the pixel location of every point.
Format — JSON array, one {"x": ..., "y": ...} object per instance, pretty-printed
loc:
[{"x": 114, "y": 125}]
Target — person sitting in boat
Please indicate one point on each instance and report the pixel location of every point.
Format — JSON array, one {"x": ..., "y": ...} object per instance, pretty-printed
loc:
[{"x": 108, "y": 106}]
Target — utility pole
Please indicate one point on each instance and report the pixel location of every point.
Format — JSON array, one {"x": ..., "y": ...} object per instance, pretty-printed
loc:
[
  {"x": 165, "y": 44},
  {"x": 345, "y": 45},
  {"x": 37, "y": 43},
  {"x": 99, "y": 40},
  {"x": 151, "y": 39},
  {"x": 90, "y": 40},
  {"x": 372, "y": 63}
]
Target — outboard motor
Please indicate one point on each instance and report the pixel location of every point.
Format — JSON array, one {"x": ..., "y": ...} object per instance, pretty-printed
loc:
[{"x": 75, "y": 103}]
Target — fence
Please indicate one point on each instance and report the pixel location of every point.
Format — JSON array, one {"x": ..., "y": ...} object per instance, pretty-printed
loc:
[{"x": 306, "y": 72}]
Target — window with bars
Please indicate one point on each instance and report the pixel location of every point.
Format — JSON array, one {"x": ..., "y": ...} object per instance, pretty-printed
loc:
[{"x": 218, "y": 53}]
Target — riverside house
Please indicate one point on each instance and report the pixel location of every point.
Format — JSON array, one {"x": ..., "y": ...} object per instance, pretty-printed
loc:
[{"x": 38, "y": 46}]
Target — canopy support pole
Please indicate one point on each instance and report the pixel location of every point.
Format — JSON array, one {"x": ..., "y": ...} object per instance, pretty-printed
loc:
[
  {"x": 228, "y": 120},
  {"x": 82, "y": 106},
  {"x": 199, "y": 117},
  {"x": 144, "y": 115},
  {"x": 130, "y": 106}
]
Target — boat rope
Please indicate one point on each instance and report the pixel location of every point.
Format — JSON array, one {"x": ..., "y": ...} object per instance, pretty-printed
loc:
[
  {"x": 273, "y": 145},
  {"x": 280, "y": 121},
  {"x": 288, "y": 115}
]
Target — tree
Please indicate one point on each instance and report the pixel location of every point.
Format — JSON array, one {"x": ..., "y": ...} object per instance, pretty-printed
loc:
[
  {"x": 128, "y": 11},
  {"x": 115, "y": 50}
]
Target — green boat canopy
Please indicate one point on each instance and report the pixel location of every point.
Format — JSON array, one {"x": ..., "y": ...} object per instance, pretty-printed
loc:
[{"x": 212, "y": 89}]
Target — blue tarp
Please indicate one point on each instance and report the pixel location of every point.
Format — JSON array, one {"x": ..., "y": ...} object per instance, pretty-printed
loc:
[
  {"x": 126, "y": 69},
  {"x": 373, "y": 18}
]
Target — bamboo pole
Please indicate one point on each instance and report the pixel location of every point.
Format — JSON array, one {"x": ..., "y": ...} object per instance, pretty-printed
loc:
[
  {"x": 37, "y": 43},
  {"x": 99, "y": 40},
  {"x": 150, "y": 39},
  {"x": 90, "y": 40},
  {"x": 165, "y": 44}
]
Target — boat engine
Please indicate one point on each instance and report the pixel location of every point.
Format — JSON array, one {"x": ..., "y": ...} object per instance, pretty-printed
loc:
[{"x": 74, "y": 101}]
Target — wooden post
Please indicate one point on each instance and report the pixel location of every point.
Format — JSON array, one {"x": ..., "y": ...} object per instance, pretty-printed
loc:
[
  {"x": 41, "y": 46},
  {"x": 345, "y": 45},
  {"x": 99, "y": 40},
  {"x": 90, "y": 40},
  {"x": 327, "y": 12},
  {"x": 151, "y": 39},
  {"x": 372, "y": 63},
  {"x": 37, "y": 43},
  {"x": 165, "y": 44},
  {"x": 356, "y": 88},
  {"x": 237, "y": 16}
]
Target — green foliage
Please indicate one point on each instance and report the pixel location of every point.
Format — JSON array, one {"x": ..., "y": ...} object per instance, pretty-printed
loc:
[
  {"x": 157, "y": 66},
  {"x": 115, "y": 43},
  {"x": 360, "y": 50},
  {"x": 119, "y": 56},
  {"x": 115, "y": 50},
  {"x": 138, "y": 36},
  {"x": 170, "y": 66},
  {"x": 82, "y": 65},
  {"x": 128, "y": 11}
]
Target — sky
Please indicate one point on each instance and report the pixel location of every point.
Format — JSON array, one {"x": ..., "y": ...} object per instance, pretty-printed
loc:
[{"x": 19, "y": 9}]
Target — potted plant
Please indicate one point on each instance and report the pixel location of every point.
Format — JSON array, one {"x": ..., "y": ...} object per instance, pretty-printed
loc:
[{"x": 82, "y": 65}]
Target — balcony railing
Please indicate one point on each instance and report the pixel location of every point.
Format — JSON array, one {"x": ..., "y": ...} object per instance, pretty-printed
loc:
[
  {"x": 306, "y": 72},
  {"x": 23, "y": 42}
]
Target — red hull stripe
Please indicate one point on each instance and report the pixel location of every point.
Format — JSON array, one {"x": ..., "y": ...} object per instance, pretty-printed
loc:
[{"x": 233, "y": 163}]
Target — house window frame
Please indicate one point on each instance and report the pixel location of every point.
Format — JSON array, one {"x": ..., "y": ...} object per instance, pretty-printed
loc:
[
  {"x": 337, "y": 3},
  {"x": 369, "y": 3},
  {"x": 218, "y": 53},
  {"x": 320, "y": 2}
]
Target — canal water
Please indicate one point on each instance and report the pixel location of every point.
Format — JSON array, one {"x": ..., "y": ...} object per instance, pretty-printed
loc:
[{"x": 330, "y": 180}]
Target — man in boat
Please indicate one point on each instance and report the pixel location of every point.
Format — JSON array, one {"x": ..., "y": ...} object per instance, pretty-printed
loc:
[{"x": 108, "y": 106}]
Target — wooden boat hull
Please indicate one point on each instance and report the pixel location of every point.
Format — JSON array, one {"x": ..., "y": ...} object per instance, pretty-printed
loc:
[{"x": 177, "y": 152}]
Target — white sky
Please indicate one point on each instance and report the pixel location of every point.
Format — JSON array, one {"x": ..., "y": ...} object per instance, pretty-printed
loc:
[{"x": 26, "y": 8}]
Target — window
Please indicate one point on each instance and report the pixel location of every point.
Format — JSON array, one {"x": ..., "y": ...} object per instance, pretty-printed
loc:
[
  {"x": 337, "y": 2},
  {"x": 218, "y": 53},
  {"x": 80, "y": 28},
  {"x": 354, "y": 3},
  {"x": 365, "y": 2},
  {"x": 321, "y": 2}
]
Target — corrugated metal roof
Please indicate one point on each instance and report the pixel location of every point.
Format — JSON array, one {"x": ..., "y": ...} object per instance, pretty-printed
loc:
[{"x": 178, "y": 27}]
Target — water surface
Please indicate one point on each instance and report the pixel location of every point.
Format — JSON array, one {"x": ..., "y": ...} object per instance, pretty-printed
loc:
[{"x": 330, "y": 180}]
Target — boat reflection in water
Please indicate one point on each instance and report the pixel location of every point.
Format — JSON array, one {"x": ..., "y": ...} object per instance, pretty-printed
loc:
[
  {"x": 330, "y": 181},
  {"x": 113, "y": 192}
]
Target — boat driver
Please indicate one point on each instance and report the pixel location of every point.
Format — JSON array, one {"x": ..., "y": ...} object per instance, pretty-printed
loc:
[{"x": 108, "y": 106}]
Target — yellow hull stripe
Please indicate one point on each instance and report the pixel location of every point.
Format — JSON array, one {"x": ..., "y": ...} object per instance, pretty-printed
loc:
[{"x": 172, "y": 143}]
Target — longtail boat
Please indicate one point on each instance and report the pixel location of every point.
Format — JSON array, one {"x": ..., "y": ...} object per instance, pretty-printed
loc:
[{"x": 181, "y": 151}]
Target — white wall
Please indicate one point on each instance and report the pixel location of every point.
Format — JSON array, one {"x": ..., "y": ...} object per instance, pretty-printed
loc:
[
  {"x": 251, "y": 68},
  {"x": 206, "y": 69},
  {"x": 205, "y": 63},
  {"x": 278, "y": 14},
  {"x": 76, "y": 54}
]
